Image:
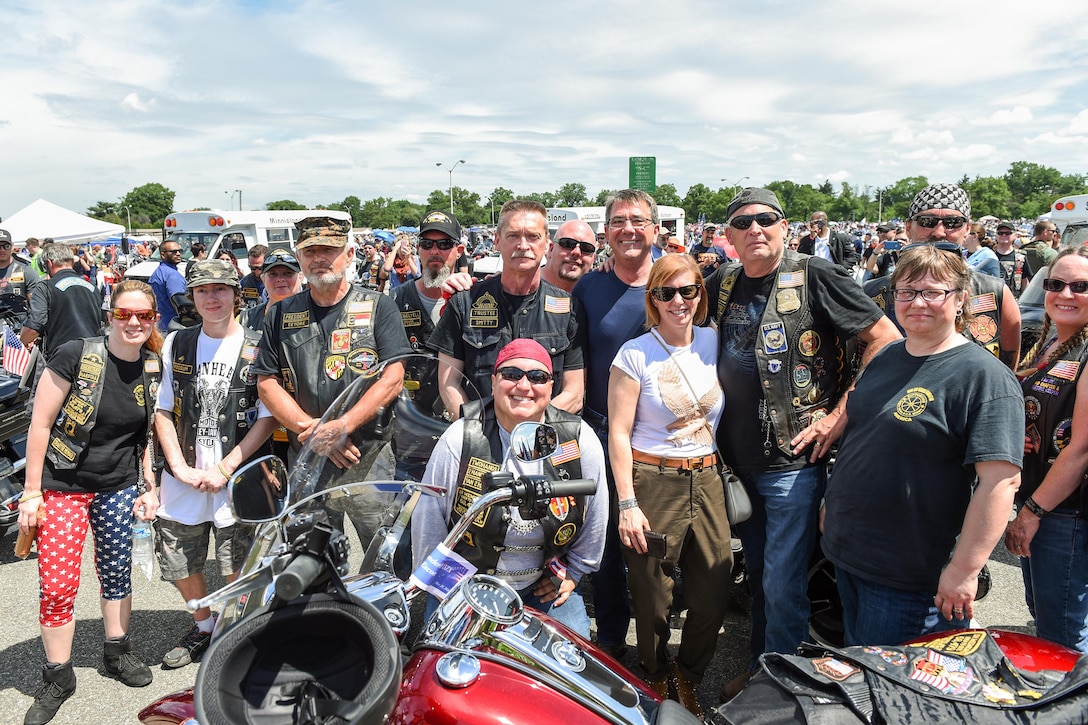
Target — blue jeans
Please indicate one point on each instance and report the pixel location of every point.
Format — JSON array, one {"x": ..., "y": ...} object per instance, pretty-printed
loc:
[
  {"x": 778, "y": 542},
  {"x": 611, "y": 605},
  {"x": 572, "y": 614},
  {"x": 874, "y": 614},
  {"x": 1056, "y": 579}
]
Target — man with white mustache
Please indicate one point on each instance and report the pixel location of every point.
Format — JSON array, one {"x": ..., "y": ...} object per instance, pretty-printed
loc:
[{"x": 480, "y": 321}]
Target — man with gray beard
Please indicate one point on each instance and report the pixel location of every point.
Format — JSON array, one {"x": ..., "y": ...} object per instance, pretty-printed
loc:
[
  {"x": 571, "y": 255},
  {"x": 420, "y": 302}
]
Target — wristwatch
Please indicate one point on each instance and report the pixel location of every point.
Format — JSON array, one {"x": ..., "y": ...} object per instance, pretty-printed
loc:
[{"x": 1035, "y": 508}]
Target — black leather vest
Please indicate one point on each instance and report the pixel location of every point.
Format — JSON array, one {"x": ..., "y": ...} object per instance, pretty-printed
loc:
[
  {"x": 14, "y": 280},
  {"x": 481, "y": 451},
  {"x": 487, "y": 324},
  {"x": 239, "y": 407},
  {"x": 803, "y": 364},
  {"x": 75, "y": 310},
  {"x": 1049, "y": 397},
  {"x": 985, "y": 302},
  {"x": 414, "y": 315},
  {"x": 72, "y": 431}
]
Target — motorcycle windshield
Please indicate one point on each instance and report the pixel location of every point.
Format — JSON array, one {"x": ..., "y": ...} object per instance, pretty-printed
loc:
[{"x": 403, "y": 416}]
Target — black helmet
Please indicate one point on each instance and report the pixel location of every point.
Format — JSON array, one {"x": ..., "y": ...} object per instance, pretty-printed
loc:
[{"x": 318, "y": 660}]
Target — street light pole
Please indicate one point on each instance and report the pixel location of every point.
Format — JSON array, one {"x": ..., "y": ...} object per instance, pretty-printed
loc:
[
  {"x": 239, "y": 199},
  {"x": 492, "y": 200},
  {"x": 128, "y": 213},
  {"x": 736, "y": 184},
  {"x": 450, "y": 169}
]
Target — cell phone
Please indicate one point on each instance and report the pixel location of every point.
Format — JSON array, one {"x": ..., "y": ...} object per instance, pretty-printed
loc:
[
  {"x": 656, "y": 544},
  {"x": 893, "y": 245}
]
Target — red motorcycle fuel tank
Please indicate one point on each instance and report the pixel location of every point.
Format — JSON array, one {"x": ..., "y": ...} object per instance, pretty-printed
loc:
[{"x": 498, "y": 696}]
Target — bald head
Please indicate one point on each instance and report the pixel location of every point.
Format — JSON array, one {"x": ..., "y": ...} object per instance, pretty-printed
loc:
[{"x": 571, "y": 255}]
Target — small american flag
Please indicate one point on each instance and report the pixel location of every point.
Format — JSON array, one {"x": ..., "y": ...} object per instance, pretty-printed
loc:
[
  {"x": 1066, "y": 369},
  {"x": 16, "y": 357},
  {"x": 982, "y": 303},
  {"x": 791, "y": 279},
  {"x": 567, "y": 452},
  {"x": 557, "y": 305}
]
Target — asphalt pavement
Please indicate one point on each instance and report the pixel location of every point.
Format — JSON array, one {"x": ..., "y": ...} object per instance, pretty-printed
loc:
[{"x": 159, "y": 620}]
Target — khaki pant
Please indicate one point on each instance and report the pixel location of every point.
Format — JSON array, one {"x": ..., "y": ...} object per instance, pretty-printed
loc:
[{"x": 689, "y": 508}]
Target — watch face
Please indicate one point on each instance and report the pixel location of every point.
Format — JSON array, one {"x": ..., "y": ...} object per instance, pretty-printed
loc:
[{"x": 493, "y": 598}]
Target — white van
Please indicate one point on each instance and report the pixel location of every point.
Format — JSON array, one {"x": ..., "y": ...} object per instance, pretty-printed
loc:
[{"x": 237, "y": 231}]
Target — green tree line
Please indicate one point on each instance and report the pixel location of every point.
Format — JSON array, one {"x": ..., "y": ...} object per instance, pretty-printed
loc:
[{"x": 1026, "y": 190}]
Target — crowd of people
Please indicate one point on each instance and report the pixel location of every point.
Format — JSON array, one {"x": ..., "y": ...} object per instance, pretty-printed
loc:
[{"x": 664, "y": 368}]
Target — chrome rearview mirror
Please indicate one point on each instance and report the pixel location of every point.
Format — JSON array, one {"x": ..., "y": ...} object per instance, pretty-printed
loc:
[
  {"x": 533, "y": 441},
  {"x": 258, "y": 490}
]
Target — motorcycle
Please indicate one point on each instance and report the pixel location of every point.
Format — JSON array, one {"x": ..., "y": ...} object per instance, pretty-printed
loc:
[
  {"x": 14, "y": 418},
  {"x": 300, "y": 640}
]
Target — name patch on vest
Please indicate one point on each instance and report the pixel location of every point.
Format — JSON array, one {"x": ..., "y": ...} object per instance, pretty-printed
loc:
[
  {"x": 411, "y": 318},
  {"x": 484, "y": 312},
  {"x": 182, "y": 368},
  {"x": 90, "y": 367},
  {"x": 473, "y": 485},
  {"x": 295, "y": 320},
  {"x": 67, "y": 453}
]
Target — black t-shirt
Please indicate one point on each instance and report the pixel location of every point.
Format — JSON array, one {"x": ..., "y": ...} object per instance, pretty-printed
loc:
[
  {"x": 108, "y": 463},
  {"x": 1008, "y": 269},
  {"x": 904, "y": 473},
  {"x": 833, "y": 297}
]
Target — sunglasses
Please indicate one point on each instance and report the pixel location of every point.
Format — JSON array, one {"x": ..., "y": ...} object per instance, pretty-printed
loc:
[
  {"x": 124, "y": 314},
  {"x": 666, "y": 294},
  {"x": 256, "y": 267},
  {"x": 569, "y": 244},
  {"x": 930, "y": 221},
  {"x": 536, "y": 377},
  {"x": 444, "y": 245},
  {"x": 171, "y": 251},
  {"x": 279, "y": 258},
  {"x": 1052, "y": 284},
  {"x": 763, "y": 219},
  {"x": 5, "y": 245}
]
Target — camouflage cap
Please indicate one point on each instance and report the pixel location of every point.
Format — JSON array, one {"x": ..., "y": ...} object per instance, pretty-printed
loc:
[
  {"x": 212, "y": 271},
  {"x": 5, "y": 236},
  {"x": 322, "y": 230}
]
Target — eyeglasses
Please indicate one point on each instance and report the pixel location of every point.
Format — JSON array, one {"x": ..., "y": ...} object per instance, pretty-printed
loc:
[
  {"x": 569, "y": 244},
  {"x": 536, "y": 377},
  {"x": 930, "y": 221},
  {"x": 816, "y": 223},
  {"x": 256, "y": 267},
  {"x": 666, "y": 294},
  {"x": 1004, "y": 233},
  {"x": 763, "y": 219},
  {"x": 1053, "y": 284},
  {"x": 929, "y": 295},
  {"x": 444, "y": 245},
  {"x": 172, "y": 251},
  {"x": 619, "y": 222},
  {"x": 124, "y": 314}
]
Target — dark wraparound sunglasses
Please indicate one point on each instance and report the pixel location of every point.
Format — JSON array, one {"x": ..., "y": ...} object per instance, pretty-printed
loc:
[
  {"x": 569, "y": 244},
  {"x": 536, "y": 377},
  {"x": 1053, "y": 284},
  {"x": 764, "y": 219},
  {"x": 666, "y": 294},
  {"x": 444, "y": 245},
  {"x": 930, "y": 221}
]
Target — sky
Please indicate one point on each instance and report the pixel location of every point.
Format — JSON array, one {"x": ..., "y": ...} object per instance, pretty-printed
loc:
[{"x": 317, "y": 100}]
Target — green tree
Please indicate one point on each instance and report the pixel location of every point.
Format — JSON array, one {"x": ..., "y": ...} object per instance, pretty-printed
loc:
[
  {"x": 898, "y": 196},
  {"x": 800, "y": 200},
  {"x": 285, "y": 205},
  {"x": 602, "y": 197},
  {"x": 102, "y": 210},
  {"x": 989, "y": 195},
  {"x": 697, "y": 201},
  {"x": 571, "y": 195},
  {"x": 351, "y": 205},
  {"x": 499, "y": 196},
  {"x": 667, "y": 196},
  {"x": 546, "y": 198},
  {"x": 149, "y": 204}
]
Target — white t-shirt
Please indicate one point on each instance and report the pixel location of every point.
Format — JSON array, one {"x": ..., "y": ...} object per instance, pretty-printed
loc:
[
  {"x": 212, "y": 377},
  {"x": 668, "y": 421}
]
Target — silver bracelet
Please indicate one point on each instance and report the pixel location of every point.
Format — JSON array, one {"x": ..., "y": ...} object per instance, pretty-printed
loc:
[{"x": 628, "y": 503}]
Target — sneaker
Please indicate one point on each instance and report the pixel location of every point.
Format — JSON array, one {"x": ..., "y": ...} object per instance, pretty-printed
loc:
[
  {"x": 189, "y": 649},
  {"x": 58, "y": 684},
  {"x": 121, "y": 662}
]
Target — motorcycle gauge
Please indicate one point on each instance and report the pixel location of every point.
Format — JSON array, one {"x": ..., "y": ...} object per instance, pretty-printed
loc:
[{"x": 493, "y": 598}]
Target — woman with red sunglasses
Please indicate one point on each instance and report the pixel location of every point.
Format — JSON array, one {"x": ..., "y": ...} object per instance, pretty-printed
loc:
[{"x": 87, "y": 451}]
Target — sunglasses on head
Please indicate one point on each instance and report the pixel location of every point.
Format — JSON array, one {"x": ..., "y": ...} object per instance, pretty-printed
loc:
[
  {"x": 666, "y": 294},
  {"x": 444, "y": 245},
  {"x": 1053, "y": 284},
  {"x": 930, "y": 221},
  {"x": 569, "y": 244},
  {"x": 536, "y": 377},
  {"x": 764, "y": 219},
  {"x": 125, "y": 314}
]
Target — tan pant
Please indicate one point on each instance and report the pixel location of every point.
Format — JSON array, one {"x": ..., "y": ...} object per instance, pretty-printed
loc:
[{"x": 689, "y": 508}]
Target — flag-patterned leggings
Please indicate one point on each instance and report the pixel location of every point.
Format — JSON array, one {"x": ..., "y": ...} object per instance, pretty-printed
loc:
[{"x": 60, "y": 549}]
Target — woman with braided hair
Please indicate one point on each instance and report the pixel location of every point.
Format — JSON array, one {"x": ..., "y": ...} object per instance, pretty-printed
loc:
[{"x": 1050, "y": 533}]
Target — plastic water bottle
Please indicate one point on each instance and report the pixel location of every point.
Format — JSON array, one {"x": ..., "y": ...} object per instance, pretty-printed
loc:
[{"x": 142, "y": 556}]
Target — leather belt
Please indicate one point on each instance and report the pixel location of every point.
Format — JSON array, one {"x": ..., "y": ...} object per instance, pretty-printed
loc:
[{"x": 682, "y": 464}]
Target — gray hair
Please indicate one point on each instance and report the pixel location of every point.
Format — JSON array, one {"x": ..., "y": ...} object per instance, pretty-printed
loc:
[
  {"x": 57, "y": 253},
  {"x": 631, "y": 196}
]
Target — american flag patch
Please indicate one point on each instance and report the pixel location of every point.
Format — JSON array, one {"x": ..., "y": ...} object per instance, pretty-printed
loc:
[
  {"x": 1066, "y": 369},
  {"x": 558, "y": 305},
  {"x": 947, "y": 674},
  {"x": 791, "y": 279},
  {"x": 982, "y": 303},
  {"x": 567, "y": 452}
]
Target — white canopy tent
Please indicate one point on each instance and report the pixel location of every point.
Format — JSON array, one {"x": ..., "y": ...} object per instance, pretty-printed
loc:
[{"x": 44, "y": 219}]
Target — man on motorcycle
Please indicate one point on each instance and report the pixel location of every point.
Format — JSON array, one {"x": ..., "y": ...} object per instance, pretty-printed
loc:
[
  {"x": 208, "y": 380},
  {"x": 545, "y": 558}
]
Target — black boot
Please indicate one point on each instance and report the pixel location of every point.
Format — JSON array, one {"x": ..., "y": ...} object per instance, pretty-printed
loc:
[
  {"x": 59, "y": 685},
  {"x": 120, "y": 662}
]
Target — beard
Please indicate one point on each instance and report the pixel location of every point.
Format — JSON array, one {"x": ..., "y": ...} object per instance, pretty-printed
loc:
[
  {"x": 433, "y": 278},
  {"x": 326, "y": 280}
]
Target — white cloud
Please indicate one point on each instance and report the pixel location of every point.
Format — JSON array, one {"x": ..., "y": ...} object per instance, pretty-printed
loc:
[
  {"x": 132, "y": 101},
  {"x": 1006, "y": 117}
]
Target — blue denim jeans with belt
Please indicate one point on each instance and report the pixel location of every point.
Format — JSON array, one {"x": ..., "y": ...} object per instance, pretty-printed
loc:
[
  {"x": 778, "y": 541},
  {"x": 1056, "y": 579},
  {"x": 874, "y": 614}
]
